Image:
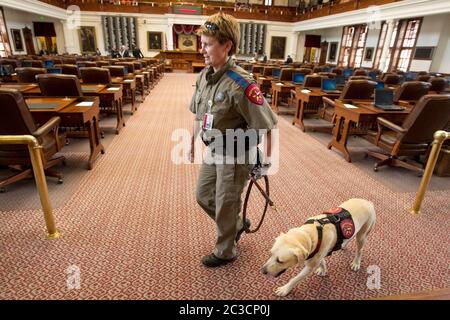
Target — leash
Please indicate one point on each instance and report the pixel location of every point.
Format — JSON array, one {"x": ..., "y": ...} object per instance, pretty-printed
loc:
[{"x": 265, "y": 193}]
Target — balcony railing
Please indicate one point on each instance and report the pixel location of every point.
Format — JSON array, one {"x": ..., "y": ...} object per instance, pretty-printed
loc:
[{"x": 250, "y": 11}]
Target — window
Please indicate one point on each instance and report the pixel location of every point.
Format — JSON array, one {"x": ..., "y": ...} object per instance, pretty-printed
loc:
[
  {"x": 380, "y": 46},
  {"x": 5, "y": 49},
  {"x": 353, "y": 42},
  {"x": 402, "y": 44}
]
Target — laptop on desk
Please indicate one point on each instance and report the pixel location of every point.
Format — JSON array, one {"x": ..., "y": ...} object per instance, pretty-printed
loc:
[
  {"x": 347, "y": 73},
  {"x": 340, "y": 81},
  {"x": 6, "y": 70},
  {"x": 125, "y": 70},
  {"x": 48, "y": 64},
  {"x": 410, "y": 76},
  {"x": 298, "y": 78},
  {"x": 276, "y": 73},
  {"x": 27, "y": 64},
  {"x": 373, "y": 75},
  {"x": 380, "y": 84},
  {"x": 329, "y": 86},
  {"x": 54, "y": 70},
  {"x": 384, "y": 100}
]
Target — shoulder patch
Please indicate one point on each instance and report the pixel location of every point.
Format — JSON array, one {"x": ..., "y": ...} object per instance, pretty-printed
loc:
[
  {"x": 251, "y": 90},
  {"x": 254, "y": 94}
]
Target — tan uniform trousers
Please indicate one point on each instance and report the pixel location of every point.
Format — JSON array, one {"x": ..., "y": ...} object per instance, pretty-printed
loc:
[{"x": 219, "y": 190}]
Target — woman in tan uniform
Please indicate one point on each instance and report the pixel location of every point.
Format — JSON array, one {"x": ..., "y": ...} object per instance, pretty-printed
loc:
[{"x": 228, "y": 106}]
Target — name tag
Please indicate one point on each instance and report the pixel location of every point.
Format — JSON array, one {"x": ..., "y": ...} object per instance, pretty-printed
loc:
[{"x": 208, "y": 121}]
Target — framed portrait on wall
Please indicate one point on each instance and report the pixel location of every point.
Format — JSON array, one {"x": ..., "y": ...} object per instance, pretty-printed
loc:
[
  {"x": 154, "y": 40},
  {"x": 369, "y": 54},
  {"x": 17, "y": 39},
  {"x": 187, "y": 42},
  {"x": 332, "y": 52},
  {"x": 277, "y": 47},
  {"x": 88, "y": 41}
]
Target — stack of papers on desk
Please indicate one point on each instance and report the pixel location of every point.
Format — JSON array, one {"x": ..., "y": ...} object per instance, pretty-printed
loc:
[
  {"x": 85, "y": 104},
  {"x": 280, "y": 83},
  {"x": 112, "y": 89},
  {"x": 128, "y": 80},
  {"x": 305, "y": 91},
  {"x": 350, "y": 106}
]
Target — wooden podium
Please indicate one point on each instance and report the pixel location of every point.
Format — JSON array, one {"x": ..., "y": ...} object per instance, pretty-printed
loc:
[{"x": 182, "y": 60}]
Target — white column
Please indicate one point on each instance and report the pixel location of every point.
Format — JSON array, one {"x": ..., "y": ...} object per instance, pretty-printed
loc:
[
  {"x": 292, "y": 50},
  {"x": 300, "y": 47},
  {"x": 70, "y": 38},
  {"x": 169, "y": 36},
  {"x": 387, "y": 41}
]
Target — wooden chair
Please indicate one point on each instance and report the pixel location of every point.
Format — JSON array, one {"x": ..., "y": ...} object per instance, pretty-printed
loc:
[
  {"x": 414, "y": 136},
  {"x": 16, "y": 119}
]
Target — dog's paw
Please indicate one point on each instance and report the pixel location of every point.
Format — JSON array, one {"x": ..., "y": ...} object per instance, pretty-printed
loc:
[
  {"x": 355, "y": 266},
  {"x": 283, "y": 291},
  {"x": 320, "y": 272}
]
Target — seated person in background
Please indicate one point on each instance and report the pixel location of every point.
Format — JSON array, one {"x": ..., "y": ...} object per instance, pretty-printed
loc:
[
  {"x": 289, "y": 59},
  {"x": 137, "y": 53},
  {"x": 124, "y": 53},
  {"x": 264, "y": 59},
  {"x": 115, "y": 53}
]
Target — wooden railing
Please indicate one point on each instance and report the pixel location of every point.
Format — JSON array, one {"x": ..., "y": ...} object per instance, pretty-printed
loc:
[{"x": 253, "y": 12}]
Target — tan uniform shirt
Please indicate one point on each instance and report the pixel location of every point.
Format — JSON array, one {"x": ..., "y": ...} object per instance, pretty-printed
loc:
[{"x": 236, "y": 100}]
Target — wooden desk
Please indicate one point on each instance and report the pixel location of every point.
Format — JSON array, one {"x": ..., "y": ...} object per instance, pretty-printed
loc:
[
  {"x": 108, "y": 96},
  {"x": 197, "y": 66},
  {"x": 22, "y": 87},
  {"x": 363, "y": 116},
  {"x": 277, "y": 89},
  {"x": 129, "y": 86},
  {"x": 304, "y": 99},
  {"x": 72, "y": 116}
]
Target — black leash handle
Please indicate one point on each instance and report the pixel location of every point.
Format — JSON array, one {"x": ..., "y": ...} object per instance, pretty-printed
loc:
[{"x": 265, "y": 194}]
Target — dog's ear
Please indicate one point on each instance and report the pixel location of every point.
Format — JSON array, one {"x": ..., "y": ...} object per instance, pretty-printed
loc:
[{"x": 300, "y": 252}]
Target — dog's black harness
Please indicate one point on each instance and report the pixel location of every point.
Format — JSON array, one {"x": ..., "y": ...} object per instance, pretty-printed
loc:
[{"x": 345, "y": 228}]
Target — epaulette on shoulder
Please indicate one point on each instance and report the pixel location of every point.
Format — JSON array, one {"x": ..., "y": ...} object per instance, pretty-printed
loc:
[
  {"x": 251, "y": 90},
  {"x": 240, "y": 80}
]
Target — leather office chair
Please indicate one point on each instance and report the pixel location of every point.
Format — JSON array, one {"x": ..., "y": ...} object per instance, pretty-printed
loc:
[
  {"x": 411, "y": 90},
  {"x": 102, "y": 63},
  {"x": 438, "y": 84},
  {"x": 313, "y": 81},
  {"x": 359, "y": 78},
  {"x": 69, "y": 69},
  {"x": 115, "y": 71},
  {"x": 59, "y": 85},
  {"x": 422, "y": 73},
  {"x": 130, "y": 65},
  {"x": 95, "y": 75},
  {"x": 286, "y": 74},
  {"x": 329, "y": 75},
  {"x": 338, "y": 71},
  {"x": 34, "y": 63},
  {"x": 317, "y": 69},
  {"x": 360, "y": 72},
  {"x": 392, "y": 79},
  {"x": 86, "y": 64},
  {"x": 28, "y": 75},
  {"x": 16, "y": 119},
  {"x": 414, "y": 136},
  {"x": 14, "y": 63},
  {"x": 267, "y": 72},
  {"x": 305, "y": 71},
  {"x": 69, "y": 61},
  {"x": 425, "y": 77},
  {"x": 353, "y": 90},
  {"x": 257, "y": 69}
]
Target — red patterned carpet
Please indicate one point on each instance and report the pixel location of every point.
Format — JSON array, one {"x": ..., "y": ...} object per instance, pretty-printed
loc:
[{"x": 133, "y": 228}]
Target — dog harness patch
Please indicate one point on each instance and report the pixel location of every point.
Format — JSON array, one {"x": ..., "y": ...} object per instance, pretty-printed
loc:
[
  {"x": 251, "y": 90},
  {"x": 342, "y": 220}
]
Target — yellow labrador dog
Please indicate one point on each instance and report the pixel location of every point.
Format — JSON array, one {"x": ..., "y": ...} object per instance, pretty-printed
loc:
[{"x": 303, "y": 246}]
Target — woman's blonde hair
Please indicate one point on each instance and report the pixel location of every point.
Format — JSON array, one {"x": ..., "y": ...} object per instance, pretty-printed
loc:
[{"x": 222, "y": 27}]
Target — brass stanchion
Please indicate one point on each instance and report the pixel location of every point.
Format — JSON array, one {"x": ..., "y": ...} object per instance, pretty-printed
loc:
[
  {"x": 439, "y": 137},
  {"x": 36, "y": 160}
]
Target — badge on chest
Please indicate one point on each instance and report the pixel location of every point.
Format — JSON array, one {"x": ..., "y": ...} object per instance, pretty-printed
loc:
[{"x": 208, "y": 118}]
